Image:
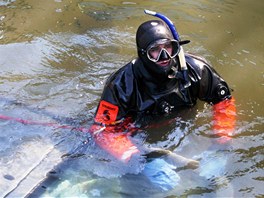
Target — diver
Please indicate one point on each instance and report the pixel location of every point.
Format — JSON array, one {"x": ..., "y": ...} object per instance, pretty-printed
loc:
[{"x": 161, "y": 80}]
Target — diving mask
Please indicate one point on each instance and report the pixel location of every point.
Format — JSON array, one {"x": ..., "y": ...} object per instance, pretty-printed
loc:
[{"x": 163, "y": 49}]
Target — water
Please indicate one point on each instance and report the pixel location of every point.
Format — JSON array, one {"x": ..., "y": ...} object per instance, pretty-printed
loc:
[{"x": 54, "y": 59}]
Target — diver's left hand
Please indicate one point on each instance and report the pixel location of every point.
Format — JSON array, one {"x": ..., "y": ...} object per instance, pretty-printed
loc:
[{"x": 172, "y": 158}]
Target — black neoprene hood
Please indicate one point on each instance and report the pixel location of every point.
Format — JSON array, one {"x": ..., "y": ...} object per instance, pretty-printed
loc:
[{"x": 150, "y": 31}]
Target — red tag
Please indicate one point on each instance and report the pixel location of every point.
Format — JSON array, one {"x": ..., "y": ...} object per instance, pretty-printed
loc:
[{"x": 106, "y": 113}]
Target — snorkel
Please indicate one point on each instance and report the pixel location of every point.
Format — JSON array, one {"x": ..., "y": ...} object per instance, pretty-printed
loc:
[{"x": 176, "y": 36}]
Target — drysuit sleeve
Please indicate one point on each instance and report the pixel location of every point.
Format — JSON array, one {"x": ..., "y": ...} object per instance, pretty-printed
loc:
[
  {"x": 207, "y": 84},
  {"x": 112, "y": 127},
  {"x": 214, "y": 90},
  {"x": 224, "y": 110},
  {"x": 117, "y": 99},
  {"x": 111, "y": 134}
]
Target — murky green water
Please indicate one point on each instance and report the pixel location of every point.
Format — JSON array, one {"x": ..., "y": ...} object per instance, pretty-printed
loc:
[{"x": 54, "y": 58}]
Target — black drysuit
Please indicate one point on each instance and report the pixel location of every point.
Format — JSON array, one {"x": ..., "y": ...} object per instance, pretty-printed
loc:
[{"x": 133, "y": 91}]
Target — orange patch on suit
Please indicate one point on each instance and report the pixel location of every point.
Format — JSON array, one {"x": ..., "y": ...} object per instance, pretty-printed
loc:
[{"x": 106, "y": 113}]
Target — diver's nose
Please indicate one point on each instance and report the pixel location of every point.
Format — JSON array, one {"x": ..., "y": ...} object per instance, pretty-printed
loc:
[{"x": 163, "y": 55}]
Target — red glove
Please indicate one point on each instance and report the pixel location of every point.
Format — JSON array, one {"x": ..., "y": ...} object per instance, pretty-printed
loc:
[
  {"x": 113, "y": 139},
  {"x": 224, "y": 119}
]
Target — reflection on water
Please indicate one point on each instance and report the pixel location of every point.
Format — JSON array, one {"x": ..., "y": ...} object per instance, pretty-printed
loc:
[{"x": 54, "y": 59}]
